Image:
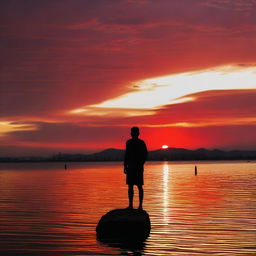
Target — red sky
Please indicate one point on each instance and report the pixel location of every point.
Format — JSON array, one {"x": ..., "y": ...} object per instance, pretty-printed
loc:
[{"x": 75, "y": 75}]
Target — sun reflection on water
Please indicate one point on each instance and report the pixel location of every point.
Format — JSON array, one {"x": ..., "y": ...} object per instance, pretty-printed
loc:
[{"x": 166, "y": 192}]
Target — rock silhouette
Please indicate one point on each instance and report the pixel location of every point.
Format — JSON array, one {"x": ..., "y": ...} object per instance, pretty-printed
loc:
[{"x": 121, "y": 225}]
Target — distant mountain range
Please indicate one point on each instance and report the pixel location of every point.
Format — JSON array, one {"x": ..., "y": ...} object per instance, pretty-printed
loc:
[{"x": 170, "y": 154}]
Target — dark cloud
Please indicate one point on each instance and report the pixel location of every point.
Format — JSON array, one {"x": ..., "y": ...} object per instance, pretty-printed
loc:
[
  {"x": 236, "y": 5},
  {"x": 213, "y": 106},
  {"x": 67, "y": 137}
]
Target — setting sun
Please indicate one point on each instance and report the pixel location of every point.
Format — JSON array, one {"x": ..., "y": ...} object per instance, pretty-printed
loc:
[{"x": 165, "y": 147}]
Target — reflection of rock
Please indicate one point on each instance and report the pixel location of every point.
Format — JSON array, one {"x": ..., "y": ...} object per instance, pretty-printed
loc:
[{"x": 124, "y": 225}]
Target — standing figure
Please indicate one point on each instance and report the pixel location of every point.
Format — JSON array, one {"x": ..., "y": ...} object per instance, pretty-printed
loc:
[{"x": 135, "y": 157}]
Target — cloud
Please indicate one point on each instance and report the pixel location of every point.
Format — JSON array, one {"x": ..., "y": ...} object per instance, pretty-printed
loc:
[
  {"x": 213, "y": 108},
  {"x": 68, "y": 137},
  {"x": 153, "y": 93},
  {"x": 237, "y": 5},
  {"x": 208, "y": 109},
  {"x": 7, "y": 127}
]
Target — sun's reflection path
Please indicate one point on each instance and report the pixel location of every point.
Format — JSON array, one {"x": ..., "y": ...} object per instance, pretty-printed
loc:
[{"x": 166, "y": 192}]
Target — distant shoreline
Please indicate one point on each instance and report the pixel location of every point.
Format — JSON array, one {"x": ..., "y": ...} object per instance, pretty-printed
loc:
[
  {"x": 120, "y": 161},
  {"x": 170, "y": 154}
]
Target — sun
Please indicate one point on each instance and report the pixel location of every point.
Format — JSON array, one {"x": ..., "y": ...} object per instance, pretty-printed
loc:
[{"x": 165, "y": 147}]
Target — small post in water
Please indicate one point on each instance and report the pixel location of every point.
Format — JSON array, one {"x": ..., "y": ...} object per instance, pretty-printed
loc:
[{"x": 195, "y": 170}]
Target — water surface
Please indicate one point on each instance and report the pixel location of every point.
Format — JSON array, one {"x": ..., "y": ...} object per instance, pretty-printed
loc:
[{"x": 47, "y": 210}]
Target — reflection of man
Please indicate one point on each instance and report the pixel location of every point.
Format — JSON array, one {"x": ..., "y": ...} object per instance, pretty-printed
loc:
[{"x": 135, "y": 157}]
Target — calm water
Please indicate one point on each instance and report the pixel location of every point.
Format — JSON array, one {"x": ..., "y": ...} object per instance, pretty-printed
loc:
[{"x": 46, "y": 210}]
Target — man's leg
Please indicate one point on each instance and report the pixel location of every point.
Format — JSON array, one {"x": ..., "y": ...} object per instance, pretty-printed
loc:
[
  {"x": 141, "y": 195},
  {"x": 130, "y": 195}
]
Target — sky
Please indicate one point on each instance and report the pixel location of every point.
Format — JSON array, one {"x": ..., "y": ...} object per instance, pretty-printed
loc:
[{"x": 76, "y": 75}]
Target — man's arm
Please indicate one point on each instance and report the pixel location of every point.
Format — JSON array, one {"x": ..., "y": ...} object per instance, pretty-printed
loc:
[
  {"x": 145, "y": 152},
  {"x": 125, "y": 160}
]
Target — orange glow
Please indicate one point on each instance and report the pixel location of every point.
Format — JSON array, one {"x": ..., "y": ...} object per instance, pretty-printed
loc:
[{"x": 6, "y": 127}]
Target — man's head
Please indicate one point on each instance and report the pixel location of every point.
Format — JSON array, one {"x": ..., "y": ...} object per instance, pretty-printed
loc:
[{"x": 135, "y": 132}]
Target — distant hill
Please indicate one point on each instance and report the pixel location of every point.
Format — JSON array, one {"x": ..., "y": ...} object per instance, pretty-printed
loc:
[
  {"x": 170, "y": 154},
  {"x": 200, "y": 154}
]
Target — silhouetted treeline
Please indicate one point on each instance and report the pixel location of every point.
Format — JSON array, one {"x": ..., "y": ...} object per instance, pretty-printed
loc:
[{"x": 171, "y": 154}]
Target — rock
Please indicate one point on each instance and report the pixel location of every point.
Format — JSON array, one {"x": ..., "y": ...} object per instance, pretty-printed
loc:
[{"x": 124, "y": 225}]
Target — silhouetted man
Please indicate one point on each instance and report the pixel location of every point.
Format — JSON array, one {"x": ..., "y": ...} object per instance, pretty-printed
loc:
[{"x": 135, "y": 157}]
